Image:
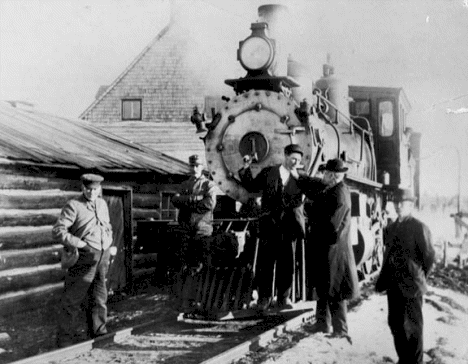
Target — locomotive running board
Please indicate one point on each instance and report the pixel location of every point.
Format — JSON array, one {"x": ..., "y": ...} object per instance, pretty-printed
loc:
[{"x": 364, "y": 181}]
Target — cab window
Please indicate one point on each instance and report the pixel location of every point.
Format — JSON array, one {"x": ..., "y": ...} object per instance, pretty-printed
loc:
[
  {"x": 386, "y": 118},
  {"x": 362, "y": 108}
]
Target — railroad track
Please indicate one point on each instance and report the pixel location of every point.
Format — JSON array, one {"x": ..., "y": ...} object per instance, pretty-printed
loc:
[{"x": 177, "y": 340}]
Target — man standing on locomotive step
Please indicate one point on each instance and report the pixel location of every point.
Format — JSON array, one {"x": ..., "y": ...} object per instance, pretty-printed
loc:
[
  {"x": 409, "y": 257},
  {"x": 196, "y": 201},
  {"x": 281, "y": 225},
  {"x": 84, "y": 224},
  {"x": 333, "y": 265}
]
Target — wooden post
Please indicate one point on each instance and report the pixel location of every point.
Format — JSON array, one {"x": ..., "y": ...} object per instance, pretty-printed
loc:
[{"x": 303, "y": 266}]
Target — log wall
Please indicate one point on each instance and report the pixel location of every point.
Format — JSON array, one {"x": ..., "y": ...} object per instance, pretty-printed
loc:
[{"x": 30, "y": 202}]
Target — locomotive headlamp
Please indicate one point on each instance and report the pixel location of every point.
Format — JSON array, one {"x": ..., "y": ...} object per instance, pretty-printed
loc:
[{"x": 256, "y": 53}]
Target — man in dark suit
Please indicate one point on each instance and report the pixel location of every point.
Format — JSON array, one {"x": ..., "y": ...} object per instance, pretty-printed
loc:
[
  {"x": 281, "y": 225},
  {"x": 333, "y": 264},
  {"x": 408, "y": 260}
]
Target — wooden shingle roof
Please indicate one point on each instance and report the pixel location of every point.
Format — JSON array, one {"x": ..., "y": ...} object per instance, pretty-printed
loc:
[
  {"x": 31, "y": 136},
  {"x": 177, "y": 139}
]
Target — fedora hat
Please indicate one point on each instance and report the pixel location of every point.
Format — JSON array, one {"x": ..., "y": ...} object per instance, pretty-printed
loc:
[
  {"x": 293, "y": 148},
  {"x": 405, "y": 194},
  {"x": 334, "y": 165}
]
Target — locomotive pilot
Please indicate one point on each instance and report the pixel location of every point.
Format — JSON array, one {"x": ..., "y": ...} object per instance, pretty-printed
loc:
[{"x": 281, "y": 225}]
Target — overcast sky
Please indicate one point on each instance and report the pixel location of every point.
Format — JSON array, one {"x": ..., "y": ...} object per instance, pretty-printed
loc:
[{"x": 57, "y": 53}]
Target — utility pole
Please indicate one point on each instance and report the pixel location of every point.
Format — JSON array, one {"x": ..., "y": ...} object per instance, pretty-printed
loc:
[{"x": 458, "y": 216}]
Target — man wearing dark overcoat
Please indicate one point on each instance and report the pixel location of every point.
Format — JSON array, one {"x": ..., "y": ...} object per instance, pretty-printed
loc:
[
  {"x": 333, "y": 263},
  {"x": 84, "y": 224},
  {"x": 281, "y": 225},
  {"x": 409, "y": 257}
]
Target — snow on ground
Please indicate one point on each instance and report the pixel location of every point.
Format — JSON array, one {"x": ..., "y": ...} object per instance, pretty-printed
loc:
[{"x": 445, "y": 335}]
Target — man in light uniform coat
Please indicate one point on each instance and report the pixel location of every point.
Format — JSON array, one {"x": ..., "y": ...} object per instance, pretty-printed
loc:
[
  {"x": 409, "y": 257},
  {"x": 84, "y": 223}
]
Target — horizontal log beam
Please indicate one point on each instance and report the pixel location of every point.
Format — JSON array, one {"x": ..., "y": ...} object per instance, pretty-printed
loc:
[
  {"x": 15, "y": 181},
  {"x": 24, "y": 237},
  {"x": 146, "y": 214},
  {"x": 146, "y": 200},
  {"x": 29, "y": 258},
  {"x": 27, "y": 199},
  {"x": 25, "y": 278},
  {"x": 29, "y": 299},
  {"x": 28, "y": 217}
]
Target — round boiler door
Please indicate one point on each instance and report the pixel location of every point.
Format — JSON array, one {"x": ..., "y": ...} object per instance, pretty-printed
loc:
[{"x": 255, "y": 145}]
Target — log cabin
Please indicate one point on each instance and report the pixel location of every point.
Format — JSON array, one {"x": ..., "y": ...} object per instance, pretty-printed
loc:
[{"x": 41, "y": 159}]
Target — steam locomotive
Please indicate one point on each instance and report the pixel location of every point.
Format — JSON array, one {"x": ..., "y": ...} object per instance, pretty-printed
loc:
[{"x": 276, "y": 104}]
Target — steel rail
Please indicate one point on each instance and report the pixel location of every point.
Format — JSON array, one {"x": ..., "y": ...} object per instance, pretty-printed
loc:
[{"x": 251, "y": 344}]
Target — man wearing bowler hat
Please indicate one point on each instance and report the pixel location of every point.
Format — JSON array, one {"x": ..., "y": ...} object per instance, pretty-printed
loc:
[
  {"x": 84, "y": 224},
  {"x": 409, "y": 257},
  {"x": 333, "y": 264},
  {"x": 281, "y": 225}
]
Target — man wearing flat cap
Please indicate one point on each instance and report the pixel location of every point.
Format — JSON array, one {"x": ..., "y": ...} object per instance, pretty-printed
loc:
[
  {"x": 84, "y": 224},
  {"x": 282, "y": 224},
  {"x": 196, "y": 201},
  {"x": 408, "y": 259}
]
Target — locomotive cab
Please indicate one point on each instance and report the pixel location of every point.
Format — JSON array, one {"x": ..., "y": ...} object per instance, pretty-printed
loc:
[{"x": 397, "y": 147}]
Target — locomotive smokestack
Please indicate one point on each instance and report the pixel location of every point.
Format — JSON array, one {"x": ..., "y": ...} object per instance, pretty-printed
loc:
[
  {"x": 303, "y": 75},
  {"x": 277, "y": 18}
]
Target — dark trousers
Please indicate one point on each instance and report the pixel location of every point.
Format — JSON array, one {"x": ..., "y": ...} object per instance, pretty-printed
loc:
[
  {"x": 405, "y": 319},
  {"x": 85, "y": 290},
  {"x": 332, "y": 313},
  {"x": 277, "y": 249}
]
